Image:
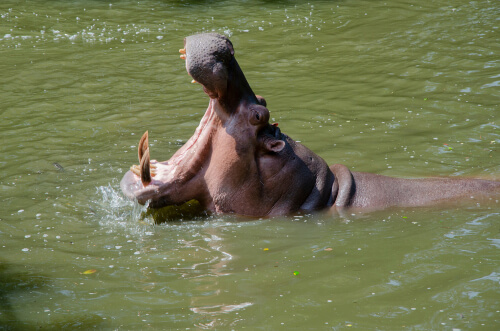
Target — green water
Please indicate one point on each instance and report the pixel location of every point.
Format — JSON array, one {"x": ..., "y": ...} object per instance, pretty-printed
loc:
[{"x": 400, "y": 88}]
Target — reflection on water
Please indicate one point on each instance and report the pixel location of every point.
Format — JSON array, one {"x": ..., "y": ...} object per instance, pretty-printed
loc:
[
  {"x": 207, "y": 281},
  {"x": 399, "y": 88}
]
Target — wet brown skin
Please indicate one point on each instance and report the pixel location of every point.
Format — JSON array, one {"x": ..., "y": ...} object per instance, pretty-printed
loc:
[{"x": 237, "y": 162}]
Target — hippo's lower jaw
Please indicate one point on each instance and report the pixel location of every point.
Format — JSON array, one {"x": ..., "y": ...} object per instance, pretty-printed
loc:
[
  {"x": 163, "y": 183},
  {"x": 237, "y": 162}
]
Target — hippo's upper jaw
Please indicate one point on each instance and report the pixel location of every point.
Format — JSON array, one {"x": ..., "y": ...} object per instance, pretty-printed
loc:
[{"x": 208, "y": 60}]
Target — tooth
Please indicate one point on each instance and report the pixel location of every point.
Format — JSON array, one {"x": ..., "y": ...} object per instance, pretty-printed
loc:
[
  {"x": 183, "y": 56},
  {"x": 182, "y": 51},
  {"x": 193, "y": 81},
  {"x": 135, "y": 169},
  {"x": 145, "y": 169},
  {"x": 143, "y": 144}
]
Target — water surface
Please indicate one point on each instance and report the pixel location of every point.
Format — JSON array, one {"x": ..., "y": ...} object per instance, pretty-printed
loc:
[{"x": 401, "y": 88}]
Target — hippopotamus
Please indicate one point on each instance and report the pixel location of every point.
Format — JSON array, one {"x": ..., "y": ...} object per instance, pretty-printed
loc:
[{"x": 238, "y": 162}]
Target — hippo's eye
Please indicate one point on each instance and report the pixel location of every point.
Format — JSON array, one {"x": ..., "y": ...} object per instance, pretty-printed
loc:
[{"x": 259, "y": 115}]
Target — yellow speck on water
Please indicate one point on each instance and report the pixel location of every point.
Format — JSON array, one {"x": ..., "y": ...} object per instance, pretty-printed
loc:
[
  {"x": 295, "y": 273},
  {"x": 89, "y": 272},
  {"x": 266, "y": 249}
]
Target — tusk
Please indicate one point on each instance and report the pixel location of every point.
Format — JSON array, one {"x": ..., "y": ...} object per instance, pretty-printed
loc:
[
  {"x": 143, "y": 144},
  {"x": 182, "y": 51},
  {"x": 145, "y": 169},
  {"x": 183, "y": 56},
  {"x": 193, "y": 81}
]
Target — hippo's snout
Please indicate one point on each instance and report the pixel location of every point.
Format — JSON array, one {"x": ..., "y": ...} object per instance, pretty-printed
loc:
[{"x": 207, "y": 60}]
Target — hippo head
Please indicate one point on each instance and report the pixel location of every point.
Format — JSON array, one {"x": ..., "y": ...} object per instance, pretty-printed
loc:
[{"x": 234, "y": 161}]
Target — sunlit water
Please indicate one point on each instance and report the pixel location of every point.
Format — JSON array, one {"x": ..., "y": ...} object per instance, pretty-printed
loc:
[{"x": 400, "y": 88}]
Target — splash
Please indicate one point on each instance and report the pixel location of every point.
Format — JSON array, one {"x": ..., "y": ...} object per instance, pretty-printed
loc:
[{"x": 113, "y": 211}]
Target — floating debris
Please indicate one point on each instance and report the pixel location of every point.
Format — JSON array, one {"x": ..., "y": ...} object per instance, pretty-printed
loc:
[{"x": 58, "y": 166}]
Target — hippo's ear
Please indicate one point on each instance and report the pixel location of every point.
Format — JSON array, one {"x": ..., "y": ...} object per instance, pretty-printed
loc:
[{"x": 274, "y": 145}]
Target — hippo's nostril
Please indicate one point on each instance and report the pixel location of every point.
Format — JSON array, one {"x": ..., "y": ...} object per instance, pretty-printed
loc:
[{"x": 257, "y": 116}]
